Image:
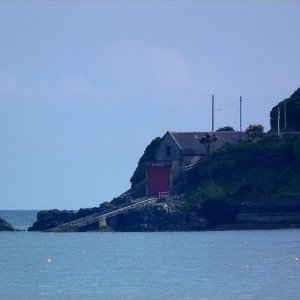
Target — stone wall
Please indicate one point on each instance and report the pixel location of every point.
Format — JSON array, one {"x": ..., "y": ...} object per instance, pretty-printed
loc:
[{"x": 269, "y": 218}]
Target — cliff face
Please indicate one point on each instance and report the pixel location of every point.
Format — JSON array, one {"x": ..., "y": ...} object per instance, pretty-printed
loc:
[{"x": 4, "y": 226}]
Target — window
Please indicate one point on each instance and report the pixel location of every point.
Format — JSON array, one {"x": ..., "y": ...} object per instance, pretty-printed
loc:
[{"x": 168, "y": 151}]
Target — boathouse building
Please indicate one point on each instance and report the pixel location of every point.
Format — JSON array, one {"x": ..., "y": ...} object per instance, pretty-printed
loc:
[{"x": 179, "y": 152}]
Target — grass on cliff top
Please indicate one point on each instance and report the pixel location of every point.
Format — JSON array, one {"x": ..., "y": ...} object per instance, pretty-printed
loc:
[{"x": 249, "y": 172}]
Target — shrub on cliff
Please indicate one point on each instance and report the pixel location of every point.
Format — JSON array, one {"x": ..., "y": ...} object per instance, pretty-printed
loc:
[
  {"x": 255, "y": 132},
  {"x": 148, "y": 155},
  {"x": 226, "y": 128}
]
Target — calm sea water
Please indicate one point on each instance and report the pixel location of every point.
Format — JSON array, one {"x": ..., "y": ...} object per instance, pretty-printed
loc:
[{"x": 192, "y": 265}]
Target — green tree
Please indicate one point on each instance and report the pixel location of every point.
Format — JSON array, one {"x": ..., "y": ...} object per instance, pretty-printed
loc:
[
  {"x": 207, "y": 140},
  {"x": 255, "y": 132}
]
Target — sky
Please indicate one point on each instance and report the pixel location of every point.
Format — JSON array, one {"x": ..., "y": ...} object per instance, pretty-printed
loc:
[{"x": 86, "y": 85}]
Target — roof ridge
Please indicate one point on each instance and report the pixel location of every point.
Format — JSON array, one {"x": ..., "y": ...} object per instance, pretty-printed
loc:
[
  {"x": 175, "y": 141},
  {"x": 191, "y": 132}
]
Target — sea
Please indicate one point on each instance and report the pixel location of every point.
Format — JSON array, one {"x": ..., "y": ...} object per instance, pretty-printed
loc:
[{"x": 217, "y": 265}]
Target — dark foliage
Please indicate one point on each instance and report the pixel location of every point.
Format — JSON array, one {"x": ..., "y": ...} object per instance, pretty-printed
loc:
[
  {"x": 219, "y": 212},
  {"x": 226, "y": 128},
  {"x": 149, "y": 155},
  {"x": 247, "y": 171},
  {"x": 255, "y": 132},
  {"x": 292, "y": 108},
  {"x": 207, "y": 140}
]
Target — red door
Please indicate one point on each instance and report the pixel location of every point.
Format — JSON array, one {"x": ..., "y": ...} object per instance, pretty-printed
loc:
[{"x": 158, "y": 178}]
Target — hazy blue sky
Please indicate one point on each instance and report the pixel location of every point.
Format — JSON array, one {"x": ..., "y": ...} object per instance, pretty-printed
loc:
[{"x": 86, "y": 85}]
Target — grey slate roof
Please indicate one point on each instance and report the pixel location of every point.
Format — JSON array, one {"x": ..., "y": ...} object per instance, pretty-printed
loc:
[{"x": 189, "y": 144}]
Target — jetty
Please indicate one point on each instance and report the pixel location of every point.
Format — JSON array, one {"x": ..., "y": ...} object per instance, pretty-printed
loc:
[{"x": 101, "y": 218}]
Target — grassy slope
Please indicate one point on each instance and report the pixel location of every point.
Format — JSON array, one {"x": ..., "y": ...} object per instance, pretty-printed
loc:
[{"x": 249, "y": 172}]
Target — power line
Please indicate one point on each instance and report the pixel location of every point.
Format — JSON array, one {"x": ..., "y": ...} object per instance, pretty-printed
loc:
[
  {"x": 261, "y": 100},
  {"x": 250, "y": 104}
]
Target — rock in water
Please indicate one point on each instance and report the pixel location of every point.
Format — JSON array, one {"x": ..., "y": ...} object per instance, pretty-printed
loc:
[{"x": 4, "y": 226}]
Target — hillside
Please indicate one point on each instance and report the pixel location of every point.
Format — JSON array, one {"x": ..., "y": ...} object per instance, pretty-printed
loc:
[
  {"x": 253, "y": 184},
  {"x": 255, "y": 172},
  {"x": 264, "y": 175},
  {"x": 239, "y": 182}
]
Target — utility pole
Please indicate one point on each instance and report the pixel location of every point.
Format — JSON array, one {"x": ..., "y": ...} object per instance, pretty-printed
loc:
[
  {"x": 240, "y": 113},
  {"x": 285, "y": 114},
  {"x": 212, "y": 113},
  {"x": 278, "y": 120}
]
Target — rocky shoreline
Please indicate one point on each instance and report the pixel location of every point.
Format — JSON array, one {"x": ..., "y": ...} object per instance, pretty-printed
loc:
[
  {"x": 161, "y": 216},
  {"x": 174, "y": 215},
  {"x": 4, "y": 226}
]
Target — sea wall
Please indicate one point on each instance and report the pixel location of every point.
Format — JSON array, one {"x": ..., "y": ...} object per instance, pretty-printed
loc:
[{"x": 269, "y": 218}]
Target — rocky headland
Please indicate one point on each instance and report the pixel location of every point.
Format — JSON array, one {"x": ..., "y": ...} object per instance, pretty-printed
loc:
[
  {"x": 175, "y": 215},
  {"x": 252, "y": 184}
]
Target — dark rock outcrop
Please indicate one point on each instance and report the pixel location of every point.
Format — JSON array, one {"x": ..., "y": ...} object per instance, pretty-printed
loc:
[
  {"x": 4, "y": 226},
  {"x": 163, "y": 216},
  {"x": 50, "y": 218},
  {"x": 47, "y": 219}
]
